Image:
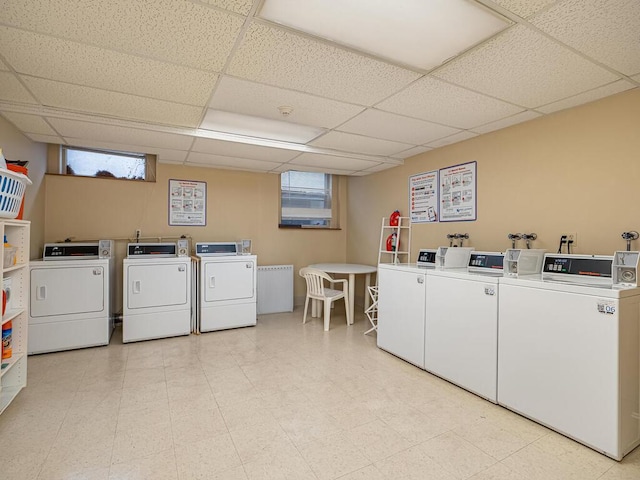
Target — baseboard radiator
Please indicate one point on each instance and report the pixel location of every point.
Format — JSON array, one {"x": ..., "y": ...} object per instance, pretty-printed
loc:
[{"x": 275, "y": 289}]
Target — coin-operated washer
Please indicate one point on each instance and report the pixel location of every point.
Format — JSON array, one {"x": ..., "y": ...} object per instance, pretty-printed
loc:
[
  {"x": 461, "y": 330},
  {"x": 569, "y": 348},
  {"x": 71, "y": 301},
  {"x": 156, "y": 293}
]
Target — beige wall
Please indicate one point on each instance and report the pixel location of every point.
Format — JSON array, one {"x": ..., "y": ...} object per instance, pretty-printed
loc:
[
  {"x": 18, "y": 147},
  {"x": 239, "y": 205},
  {"x": 574, "y": 171}
]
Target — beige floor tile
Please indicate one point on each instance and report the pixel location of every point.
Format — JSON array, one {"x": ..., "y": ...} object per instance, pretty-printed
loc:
[
  {"x": 456, "y": 455},
  {"x": 24, "y": 465},
  {"x": 370, "y": 472},
  {"x": 137, "y": 398},
  {"x": 141, "y": 377},
  {"x": 133, "y": 443},
  {"x": 199, "y": 425},
  {"x": 306, "y": 425},
  {"x": 377, "y": 440},
  {"x": 554, "y": 457},
  {"x": 627, "y": 469},
  {"x": 245, "y": 414},
  {"x": 262, "y": 439},
  {"x": 160, "y": 466},
  {"x": 412, "y": 464},
  {"x": 207, "y": 457},
  {"x": 333, "y": 456},
  {"x": 497, "y": 471},
  {"x": 290, "y": 466}
]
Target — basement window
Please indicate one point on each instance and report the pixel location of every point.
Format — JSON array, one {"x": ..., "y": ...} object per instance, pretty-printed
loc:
[
  {"x": 308, "y": 200},
  {"x": 85, "y": 162}
]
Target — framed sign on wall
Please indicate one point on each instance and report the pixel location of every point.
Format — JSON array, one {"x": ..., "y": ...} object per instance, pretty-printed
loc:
[
  {"x": 187, "y": 203},
  {"x": 458, "y": 188}
]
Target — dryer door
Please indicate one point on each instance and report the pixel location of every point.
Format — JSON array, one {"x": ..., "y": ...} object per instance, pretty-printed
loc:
[
  {"x": 228, "y": 280},
  {"x": 67, "y": 290},
  {"x": 157, "y": 285}
]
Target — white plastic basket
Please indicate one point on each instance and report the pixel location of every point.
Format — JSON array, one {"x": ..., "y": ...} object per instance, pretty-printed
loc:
[{"x": 12, "y": 187}]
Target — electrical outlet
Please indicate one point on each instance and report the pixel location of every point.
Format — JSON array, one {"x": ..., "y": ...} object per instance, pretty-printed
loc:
[{"x": 572, "y": 237}]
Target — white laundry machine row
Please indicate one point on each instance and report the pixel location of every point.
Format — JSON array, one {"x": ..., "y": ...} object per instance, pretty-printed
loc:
[
  {"x": 402, "y": 301},
  {"x": 157, "y": 292},
  {"x": 71, "y": 301},
  {"x": 569, "y": 353},
  {"x": 226, "y": 287}
]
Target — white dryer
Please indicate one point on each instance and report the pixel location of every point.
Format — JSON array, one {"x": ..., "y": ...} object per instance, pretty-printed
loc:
[
  {"x": 227, "y": 287},
  {"x": 569, "y": 352},
  {"x": 156, "y": 293},
  {"x": 461, "y": 329},
  {"x": 71, "y": 301}
]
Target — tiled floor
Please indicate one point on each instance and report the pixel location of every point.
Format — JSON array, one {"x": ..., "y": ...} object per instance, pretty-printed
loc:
[{"x": 279, "y": 401}]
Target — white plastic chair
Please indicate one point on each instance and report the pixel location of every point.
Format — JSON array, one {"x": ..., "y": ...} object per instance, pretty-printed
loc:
[
  {"x": 317, "y": 291},
  {"x": 372, "y": 311}
]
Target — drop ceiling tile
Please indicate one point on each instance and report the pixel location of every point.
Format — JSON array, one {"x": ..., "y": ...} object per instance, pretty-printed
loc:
[
  {"x": 249, "y": 98},
  {"x": 458, "y": 137},
  {"x": 524, "y": 67},
  {"x": 437, "y": 101},
  {"x": 117, "y": 134},
  {"x": 29, "y": 123},
  {"x": 586, "y": 97},
  {"x": 11, "y": 89},
  {"x": 242, "y": 150},
  {"x": 93, "y": 100},
  {"x": 204, "y": 159},
  {"x": 524, "y": 8},
  {"x": 606, "y": 31},
  {"x": 243, "y": 7},
  {"x": 164, "y": 154},
  {"x": 348, "y": 142},
  {"x": 507, "y": 122},
  {"x": 284, "y": 59},
  {"x": 332, "y": 162},
  {"x": 412, "y": 151},
  {"x": 177, "y": 31},
  {"x": 36, "y": 137},
  {"x": 72, "y": 62},
  {"x": 389, "y": 126}
]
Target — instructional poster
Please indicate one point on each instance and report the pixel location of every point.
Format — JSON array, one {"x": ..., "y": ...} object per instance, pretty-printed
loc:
[
  {"x": 187, "y": 203},
  {"x": 423, "y": 197},
  {"x": 458, "y": 193}
]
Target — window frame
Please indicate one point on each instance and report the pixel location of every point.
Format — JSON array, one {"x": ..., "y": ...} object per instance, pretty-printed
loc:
[{"x": 332, "y": 189}]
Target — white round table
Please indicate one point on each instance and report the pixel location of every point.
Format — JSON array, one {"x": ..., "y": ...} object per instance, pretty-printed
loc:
[{"x": 351, "y": 269}]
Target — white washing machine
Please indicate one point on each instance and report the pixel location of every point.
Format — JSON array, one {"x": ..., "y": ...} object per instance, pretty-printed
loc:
[
  {"x": 401, "y": 310},
  {"x": 156, "y": 293},
  {"x": 227, "y": 287},
  {"x": 461, "y": 330},
  {"x": 70, "y": 304},
  {"x": 568, "y": 352}
]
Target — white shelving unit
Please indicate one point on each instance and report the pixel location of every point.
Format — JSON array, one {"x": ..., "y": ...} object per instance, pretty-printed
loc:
[
  {"x": 403, "y": 241},
  {"x": 13, "y": 376}
]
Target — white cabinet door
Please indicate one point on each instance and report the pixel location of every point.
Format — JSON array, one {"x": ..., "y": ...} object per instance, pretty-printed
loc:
[
  {"x": 157, "y": 285},
  {"x": 67, "y": 290},
  {"x": 228, "y": 280},
  {"x": 461, "y": 333},
  {"x": 401, "y": 310}
]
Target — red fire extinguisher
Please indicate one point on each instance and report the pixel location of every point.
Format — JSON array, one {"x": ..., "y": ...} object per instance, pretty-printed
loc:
[
  {"x": 392, "y": 242},
  {"x": 394, "y": 219}
]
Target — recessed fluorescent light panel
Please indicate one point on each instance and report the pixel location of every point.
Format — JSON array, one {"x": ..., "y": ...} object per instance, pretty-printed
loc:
[
  {"x": 416, "y": 33},
  {"x": 259, "y": 127}
]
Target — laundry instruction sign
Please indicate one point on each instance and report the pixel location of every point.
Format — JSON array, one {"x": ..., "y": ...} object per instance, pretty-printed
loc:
[
  {"x": 423, "y": 197},
  {"x": 187, "y": 203},
  {"x": 458, "y": 186}
]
